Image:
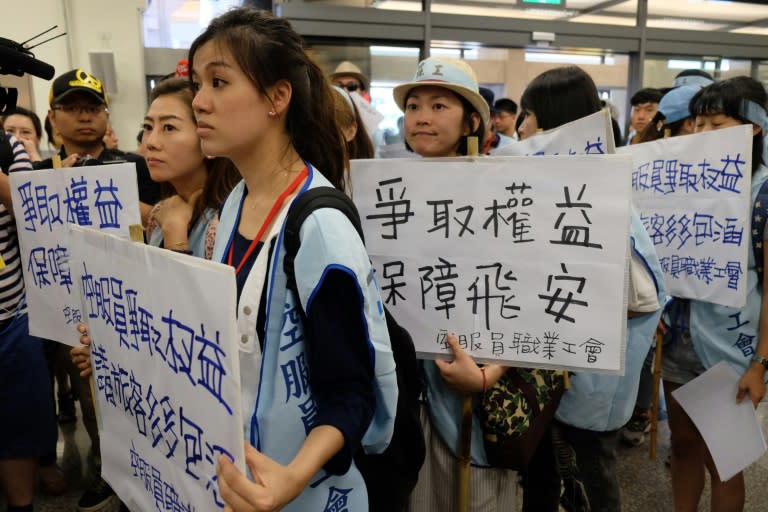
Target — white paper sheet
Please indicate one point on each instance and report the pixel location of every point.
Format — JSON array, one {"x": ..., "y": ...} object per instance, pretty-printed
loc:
[{"x": 731, "y": 430}]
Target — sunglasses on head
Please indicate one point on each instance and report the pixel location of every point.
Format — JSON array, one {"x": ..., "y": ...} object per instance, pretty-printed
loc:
[{"x": 351, "y": 86}]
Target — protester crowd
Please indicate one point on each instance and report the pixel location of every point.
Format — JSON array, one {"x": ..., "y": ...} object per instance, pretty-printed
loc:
[{"x": 226, "y": 147}]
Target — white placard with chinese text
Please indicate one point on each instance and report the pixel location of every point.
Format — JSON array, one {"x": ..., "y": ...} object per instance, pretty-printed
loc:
[
  {"x": 523, "y": 258},
  {"x": 165, "y": 369},
  {"x": 103, "y": 197},
  {"x": 590, "y": 135},
  {"x": 693, "y": 195}
]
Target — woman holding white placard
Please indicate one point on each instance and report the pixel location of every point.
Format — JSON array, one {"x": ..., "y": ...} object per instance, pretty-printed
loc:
[
  {"x": 443, "y": 108},
  {"x": 702, "y": 334},
  {"x": 193, "y": 189},
  {"x": 317, "y": 373},
  {"x": 595, "y": 406}
]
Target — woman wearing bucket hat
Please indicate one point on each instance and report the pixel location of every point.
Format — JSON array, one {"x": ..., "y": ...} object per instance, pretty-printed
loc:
[{"x": 442, "y": 107}]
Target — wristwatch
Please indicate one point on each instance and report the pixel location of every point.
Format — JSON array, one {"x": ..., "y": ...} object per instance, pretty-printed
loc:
[{"x": 760, "y": 359}]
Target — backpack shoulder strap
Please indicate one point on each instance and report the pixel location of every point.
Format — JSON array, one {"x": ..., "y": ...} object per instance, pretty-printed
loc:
[
  {"x": 759, "y": 214},
  {"x": 302, "y": 207}
]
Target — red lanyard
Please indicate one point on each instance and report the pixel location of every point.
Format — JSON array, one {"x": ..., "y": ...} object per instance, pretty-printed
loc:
[{"x": 270, "y": 217}]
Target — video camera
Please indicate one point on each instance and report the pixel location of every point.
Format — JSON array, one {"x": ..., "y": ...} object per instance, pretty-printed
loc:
[{"x": 16, "y": 59}]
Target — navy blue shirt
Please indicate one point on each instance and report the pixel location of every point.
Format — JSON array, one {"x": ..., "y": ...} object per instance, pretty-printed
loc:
[{"x": 338, "y": 357}]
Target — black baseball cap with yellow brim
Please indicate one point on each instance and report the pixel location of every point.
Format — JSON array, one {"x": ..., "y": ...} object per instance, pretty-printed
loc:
[{"x": 73, "y": 81}]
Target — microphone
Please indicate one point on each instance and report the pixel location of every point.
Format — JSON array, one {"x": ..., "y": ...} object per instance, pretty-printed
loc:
[{"x": 17, "y": 60}]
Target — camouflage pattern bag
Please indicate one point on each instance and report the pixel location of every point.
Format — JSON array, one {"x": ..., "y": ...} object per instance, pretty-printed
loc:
[{"x": 516, "y": 412}]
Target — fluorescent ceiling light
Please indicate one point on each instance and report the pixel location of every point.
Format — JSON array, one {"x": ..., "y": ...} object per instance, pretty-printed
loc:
[
  {"x": 683, "y": 64},
  {"x": 453, "y": 53},
  {"x": 568, "y": 58},
  {"x": 394, "y": 51},
  {"x": 397, "y": 5}
]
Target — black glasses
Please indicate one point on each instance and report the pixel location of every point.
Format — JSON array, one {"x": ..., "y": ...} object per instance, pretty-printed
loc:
[
  {"x": 73, "y": 109},
  {"x": 350, "y": 86}
]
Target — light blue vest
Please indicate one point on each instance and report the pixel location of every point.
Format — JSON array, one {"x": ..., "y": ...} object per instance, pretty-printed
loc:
[
  {"x": 196, "y": 235},
  {"x": 602, "y": 402},
  {"x": 724, "y": 333},
  {"x": 444, "y": 406},
  {"x": 278, "y": 406}
]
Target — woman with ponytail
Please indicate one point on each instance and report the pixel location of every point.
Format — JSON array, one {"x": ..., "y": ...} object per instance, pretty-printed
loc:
[{"x": 317, "y": 373}]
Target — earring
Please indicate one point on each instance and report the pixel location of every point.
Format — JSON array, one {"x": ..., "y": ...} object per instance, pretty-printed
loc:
[{"x": 272, "y": 113}]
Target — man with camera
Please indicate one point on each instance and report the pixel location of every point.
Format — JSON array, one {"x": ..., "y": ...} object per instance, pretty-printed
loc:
[{"x": 80, "y": 113}]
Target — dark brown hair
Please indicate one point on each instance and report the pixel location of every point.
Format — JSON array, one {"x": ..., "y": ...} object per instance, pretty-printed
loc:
[
  {"x": 221, "y": 173},
  {"x": 559, "y": 96},
  {"x": 347, "y": 115},
  {"x": 727, "y": 97},
  {"x": 267, "y": 50}
]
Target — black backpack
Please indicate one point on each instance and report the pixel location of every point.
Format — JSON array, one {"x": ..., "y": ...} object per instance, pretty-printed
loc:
[{"x": 392, "y": 475}]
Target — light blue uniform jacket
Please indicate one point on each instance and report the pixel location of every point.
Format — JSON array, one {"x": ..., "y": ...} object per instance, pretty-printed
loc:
[
  {"x": 603, "y": 402},
  {"x": 714, "y": 330},
  {"x": 277, "y": 400}
]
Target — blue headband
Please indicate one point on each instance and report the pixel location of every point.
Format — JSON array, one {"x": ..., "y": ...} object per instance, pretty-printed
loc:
[
  {"x": 756, "y": 114},
  {"x": 701, "y": 81}
]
